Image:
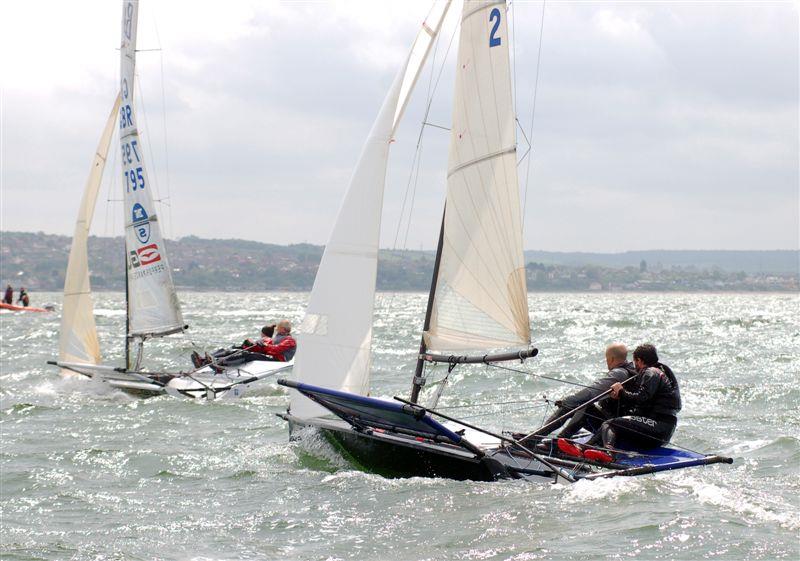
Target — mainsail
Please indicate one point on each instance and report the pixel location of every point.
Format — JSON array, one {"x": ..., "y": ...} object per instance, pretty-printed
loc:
[
  {"x": 153, "y": 307},
  {"x": 480, "y": 300},
  {"x": 78, "y": 339},
  {"x": 336, "y": 333}
]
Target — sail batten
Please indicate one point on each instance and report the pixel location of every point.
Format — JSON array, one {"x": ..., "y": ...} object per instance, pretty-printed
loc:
[
  {"x": 480, "y": 300},
  {"x": 78, "y": 340},
  {"x": 153, "y": 307}
]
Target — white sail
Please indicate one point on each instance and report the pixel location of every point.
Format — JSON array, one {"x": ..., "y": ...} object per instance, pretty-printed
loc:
[
  {"x": 335, "y": 337},
  {"x": 481, "y": 297},
  {"x": 419, "y": 54},
  {"x": 153, "y": 307},
  {"x": 78, "y": 341}
]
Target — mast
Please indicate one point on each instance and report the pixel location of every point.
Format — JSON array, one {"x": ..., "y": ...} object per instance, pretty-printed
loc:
[
  {"x": 127, "y": 320},
  {"x": 153, "y": 306},
  {"x": 419, "y": 379}
]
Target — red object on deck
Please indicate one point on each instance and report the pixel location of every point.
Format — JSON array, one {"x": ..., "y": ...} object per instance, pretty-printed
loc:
[
  {"x": 569, "y": 448},
  {"x": 595, "y": 455}
]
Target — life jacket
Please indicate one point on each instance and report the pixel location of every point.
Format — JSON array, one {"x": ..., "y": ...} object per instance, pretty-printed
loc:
[{"x": 289, "y": 348}]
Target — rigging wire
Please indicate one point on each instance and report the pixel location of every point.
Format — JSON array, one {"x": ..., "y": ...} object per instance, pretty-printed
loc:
[
  {"x": 110, "y": 184},
  {"x": 149, "y": 150},
  {"x": 518, "y": 371},
  {"x": 513, "y": 402},
  {"x": 533, "y": 115},
  {"x": 514, "y": 410},
  {"x": 164, "y": 125},
  {"x": 414, "y": 173}
]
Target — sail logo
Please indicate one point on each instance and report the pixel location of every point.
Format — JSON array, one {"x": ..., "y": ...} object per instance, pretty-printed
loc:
[
  {"x": 141, "y": 223},
  {"x": 148, "y": 254}
]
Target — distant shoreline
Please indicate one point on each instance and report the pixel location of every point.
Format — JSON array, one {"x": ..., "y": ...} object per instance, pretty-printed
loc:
[{"x": 38, "y": 262}]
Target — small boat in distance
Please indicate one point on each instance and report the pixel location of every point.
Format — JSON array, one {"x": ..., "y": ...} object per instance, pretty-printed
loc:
[
  {"x": 152, "y": 305},
  {"x": 13, "y": 308},
  {"x": 477, "y": 302}
]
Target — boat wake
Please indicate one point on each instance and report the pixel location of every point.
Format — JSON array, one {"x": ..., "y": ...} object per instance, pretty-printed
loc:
[
  {"x": 611, "y": 489},
  {"x": 77, "y": 384}
]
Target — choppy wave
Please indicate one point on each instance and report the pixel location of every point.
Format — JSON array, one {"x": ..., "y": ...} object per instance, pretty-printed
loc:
[{"x": 90, "y": 473}]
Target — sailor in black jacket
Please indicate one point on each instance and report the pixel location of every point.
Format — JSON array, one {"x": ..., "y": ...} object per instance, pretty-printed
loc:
[
  {"x": 591, "y": 417},
  {"x": 654, "y": 401}
]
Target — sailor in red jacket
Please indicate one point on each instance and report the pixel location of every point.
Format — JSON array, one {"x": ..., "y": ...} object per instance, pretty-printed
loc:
[{"x": 282, "y": 347}]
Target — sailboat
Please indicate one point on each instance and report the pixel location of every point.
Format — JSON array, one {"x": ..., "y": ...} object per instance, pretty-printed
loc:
[
  {"x": 152, "y": 305},
  {"x": 478, "y": 295}
]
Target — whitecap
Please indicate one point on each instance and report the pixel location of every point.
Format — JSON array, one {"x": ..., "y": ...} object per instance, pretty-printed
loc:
[
  {"x": 108, "y": 313},
  {"x": 761, "y": 509},
  {"x": 586, "y": 490}
]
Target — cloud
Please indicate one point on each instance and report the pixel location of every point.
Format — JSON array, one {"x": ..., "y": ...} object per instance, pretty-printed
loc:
[{"x": 676, "y": 114}]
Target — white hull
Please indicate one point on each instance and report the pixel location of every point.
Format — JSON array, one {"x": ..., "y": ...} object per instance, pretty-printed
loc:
[{"x": 232, "y": 383}]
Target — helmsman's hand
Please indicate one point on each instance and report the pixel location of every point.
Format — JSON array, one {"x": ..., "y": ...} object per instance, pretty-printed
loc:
[{"x": 615, "y": 389}]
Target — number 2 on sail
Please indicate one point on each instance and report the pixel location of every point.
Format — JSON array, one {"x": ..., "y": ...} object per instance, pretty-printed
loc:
[{"x": 495, "y": 17}]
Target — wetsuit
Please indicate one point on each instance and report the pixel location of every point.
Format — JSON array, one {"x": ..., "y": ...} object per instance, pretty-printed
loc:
[
  {"x": 655, "y": 401},
  {"x": 8, "y": 297},
  {"x": 590, "y": 417}
]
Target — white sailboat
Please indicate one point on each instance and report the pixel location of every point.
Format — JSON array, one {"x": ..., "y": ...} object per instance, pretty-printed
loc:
[
  {"x": 152, "y": 305},
  {"x": 478, "y": 297}
]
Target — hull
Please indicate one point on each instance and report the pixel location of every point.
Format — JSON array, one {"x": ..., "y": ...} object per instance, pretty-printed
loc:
[
  {"x": 399, "y": 456},
  {"x": 201, "y": 384},
  {"x": 231, "y": 383}
]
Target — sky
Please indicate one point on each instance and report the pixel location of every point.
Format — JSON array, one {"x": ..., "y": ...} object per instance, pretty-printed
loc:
[{"x": 657, "y": 125}]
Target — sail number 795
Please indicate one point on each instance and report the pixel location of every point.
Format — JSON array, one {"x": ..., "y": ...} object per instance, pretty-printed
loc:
[{"x": 134, "y": 179}]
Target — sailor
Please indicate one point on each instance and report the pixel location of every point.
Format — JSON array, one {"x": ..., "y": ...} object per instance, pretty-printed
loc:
[
  {"x": 23, "y": 297},
  {"x": 592, "y": 416},
  {"x": 8, "y": 297},
  {"x": 236, "y": 354},
  {"x": 266, "y": 337},
  {"x": 282, "y": 347},
  {"x": 655, "y": 401}
]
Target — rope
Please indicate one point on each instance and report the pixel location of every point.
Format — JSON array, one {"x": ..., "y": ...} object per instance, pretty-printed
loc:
[{"x": 533, "y": 114}]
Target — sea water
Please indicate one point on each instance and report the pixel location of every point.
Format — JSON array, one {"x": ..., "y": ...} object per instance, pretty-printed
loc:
[{"x": 90, "y": 473}]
